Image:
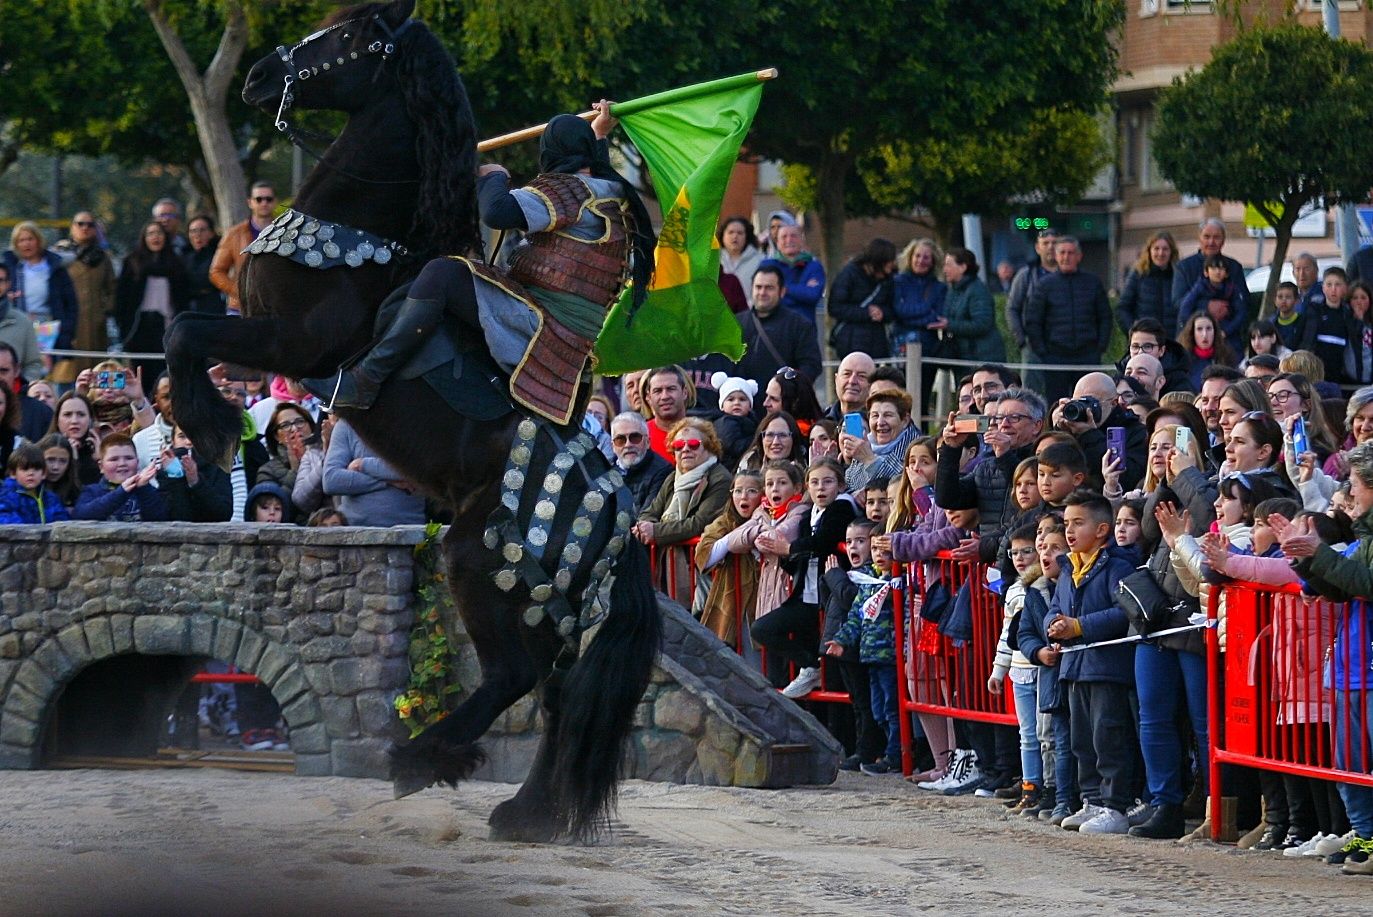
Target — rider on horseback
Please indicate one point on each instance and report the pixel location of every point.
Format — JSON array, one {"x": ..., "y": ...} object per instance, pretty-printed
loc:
[{"x": 586, "y": 227}]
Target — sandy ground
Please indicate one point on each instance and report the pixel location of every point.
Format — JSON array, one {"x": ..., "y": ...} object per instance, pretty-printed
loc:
[{"x": 212, "y": 842}]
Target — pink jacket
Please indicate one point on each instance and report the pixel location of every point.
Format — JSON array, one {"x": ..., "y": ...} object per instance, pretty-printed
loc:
[{"x": 774, "y": 584}]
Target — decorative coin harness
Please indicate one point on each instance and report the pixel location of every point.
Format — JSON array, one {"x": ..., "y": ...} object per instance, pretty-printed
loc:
[
  {"x": 522, "y": 541},
  {"x": 321, "y": 244}
]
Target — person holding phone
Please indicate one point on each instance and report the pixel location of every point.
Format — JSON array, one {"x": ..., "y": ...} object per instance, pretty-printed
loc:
[
  {"x": 882, "y": 452},
  {"x": 196, "y": 490}
]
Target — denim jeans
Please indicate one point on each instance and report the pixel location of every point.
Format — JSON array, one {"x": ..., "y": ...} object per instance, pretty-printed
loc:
[
  {"x": 1165, "y": 679},
  {"x": 1354, "y": 717},
  {"x": 1065, "y": 765},
  {"x": 882, "y": 685},
  {"x": 1027, "y": 712}
]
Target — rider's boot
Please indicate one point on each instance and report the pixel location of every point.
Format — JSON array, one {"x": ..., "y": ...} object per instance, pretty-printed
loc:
[{"x": 358, "y": 386}]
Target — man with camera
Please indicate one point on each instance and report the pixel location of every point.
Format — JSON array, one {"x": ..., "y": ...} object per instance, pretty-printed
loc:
[{"x": 1091, "y": 414}]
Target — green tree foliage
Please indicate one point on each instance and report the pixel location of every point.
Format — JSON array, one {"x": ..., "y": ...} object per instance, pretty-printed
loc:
[{"x": 1281, "y": 117}]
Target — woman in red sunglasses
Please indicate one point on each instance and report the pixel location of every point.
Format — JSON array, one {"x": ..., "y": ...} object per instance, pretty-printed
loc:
[{"x": 693, "y": 495}]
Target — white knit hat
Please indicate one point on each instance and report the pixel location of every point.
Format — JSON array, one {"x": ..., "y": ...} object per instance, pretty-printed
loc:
[{"x": 726, "y": 385}]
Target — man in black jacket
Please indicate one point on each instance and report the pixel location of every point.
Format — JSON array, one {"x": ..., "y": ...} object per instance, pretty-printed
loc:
[
  {"x": 1091, "y": 430},
  {"x": 1210, "y": 241},
  {"x": 1068, "y": 319},
  {"x": 776, "y": 337},
  {"x": 1148, "y": 337},
  {"x": 644, "y": 470}
]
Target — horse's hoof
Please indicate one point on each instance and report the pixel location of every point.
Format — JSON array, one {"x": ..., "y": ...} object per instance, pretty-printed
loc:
[
  {"x": 407, "y": 784},
  {"x": 517, "y": 822}
]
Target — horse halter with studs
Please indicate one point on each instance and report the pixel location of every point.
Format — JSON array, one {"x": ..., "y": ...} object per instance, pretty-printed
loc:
[{"x": 296, "y": 72}]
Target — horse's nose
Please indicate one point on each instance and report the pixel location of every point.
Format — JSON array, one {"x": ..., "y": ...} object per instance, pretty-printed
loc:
[{"x": 256, "y": 77}]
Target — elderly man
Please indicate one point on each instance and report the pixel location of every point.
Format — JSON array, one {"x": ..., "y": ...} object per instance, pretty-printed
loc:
[
  {"x": 167, "y": 212},
  {"x": 1096, "y": 392},
  {"x": 644, "y": 470},
  {"x": 1307, "y": 274},
  {"x": 852, "y": 384},
  {"x": 1148, "y": 372},
  {"x": 803, "y": 276},
  {"x": 1210, "y": 241},
  {"x": 1017, "y": 419},
  {"x": 1068, "y": 318}
]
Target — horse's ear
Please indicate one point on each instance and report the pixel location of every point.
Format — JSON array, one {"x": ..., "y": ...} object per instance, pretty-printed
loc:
[{"x": 399, "y": 11}]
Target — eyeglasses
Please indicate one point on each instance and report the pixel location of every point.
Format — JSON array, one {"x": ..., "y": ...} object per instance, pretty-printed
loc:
[
  {"x": 1144, "y": 347},
  {"x": 621, "y": 438},
  {"x": 233, "y": 392},
  {"x": 786, "y": 372},
  {"x": 746, "y": 491},
  {"x": 167, "y": 216},
  {"x": 1126, "y": 397},
  {"x": 1011, "y": 419},
  {"x": 1021, "y": 552},
  {"x": 83, "y": 224},
  {"x": 297, "y": 424},
  {"x": 195, "y": 229},
  {"x": 782, "y": 435},
  {"x": 1282, "y": 396},
  {"x": 263, "y": 199},
  {"x": 679, "y": 444}
]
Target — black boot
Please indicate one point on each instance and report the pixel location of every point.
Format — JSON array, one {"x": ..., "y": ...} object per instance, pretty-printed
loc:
[
  {"x": 1166, "y": 822},
  {"x": 358, "y": 387}
]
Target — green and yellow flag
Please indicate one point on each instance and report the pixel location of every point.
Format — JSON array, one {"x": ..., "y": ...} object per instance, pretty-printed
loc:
[{"x": 690, "y": 139}]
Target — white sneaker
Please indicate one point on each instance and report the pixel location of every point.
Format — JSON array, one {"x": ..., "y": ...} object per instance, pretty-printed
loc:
[
  {"x": 805, "y": 682},
  {"x": 1080, "y": 817},
  {"x": 1106, "y": 821},
  {"x": 1330, "y": 844},
  {"x": 1308, "y": 847},
  {"x": 938, "y": 783}
]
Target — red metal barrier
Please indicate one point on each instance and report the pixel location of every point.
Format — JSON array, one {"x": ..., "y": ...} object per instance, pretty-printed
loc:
[
  {"x": 1279, "y": 684},
  {"x": 936, "y": 674},
  {"x": 223, "y": 678}
]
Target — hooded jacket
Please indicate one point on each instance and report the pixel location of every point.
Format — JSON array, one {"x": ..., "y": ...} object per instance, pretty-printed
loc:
[{"x": 1093, "y": 603}]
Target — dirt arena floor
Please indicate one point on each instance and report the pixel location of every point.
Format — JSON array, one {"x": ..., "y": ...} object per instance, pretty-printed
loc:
[{"x": 212, "y": 842}]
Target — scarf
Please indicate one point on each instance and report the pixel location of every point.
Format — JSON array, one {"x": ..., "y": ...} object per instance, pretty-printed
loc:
[
  {"x": 1205, "y": 354},
  {"x": 683, "y": 483},
  {"x": 1081, "y": 564},
  {"x": 800, "y": 258},
  {"x": 780, "y": 512}
]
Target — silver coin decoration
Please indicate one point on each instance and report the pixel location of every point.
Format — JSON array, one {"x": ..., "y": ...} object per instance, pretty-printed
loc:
[
  {"x": 271, "y": 245},
  {"x": 566, "y": 626},
  {"x": 311, "y": 227},
  {"x": 533, "y": 615},
  {"x": 297, "y": 220},
  {"x": 365, "y": 249},
  {"x": 538, "y": 537},
  {"x": 330, "y": 250},
  {"x": 314, "y": 259},
  {"x": 542, "y": 592},
  {"x": 305, "y": 242},
  {"x": 326, "y": 232},
  {"x": 352, "y": 259},
  {"x": 382, "y": 256},
  {"x": 563, "y": 580},
  {"x": 491, "y": 538},
  {"x": 291, "y": 234},
  {"x": 506, "y": 580},
  {"x": 512, "y": 552},
  {"x": 286, "y": 249}
]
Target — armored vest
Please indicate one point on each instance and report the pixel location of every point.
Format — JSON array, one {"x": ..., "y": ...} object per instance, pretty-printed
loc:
[{"x": 593, "y": 269}]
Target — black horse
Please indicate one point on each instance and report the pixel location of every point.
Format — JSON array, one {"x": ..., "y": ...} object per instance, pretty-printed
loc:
[{"x": 403, "y": 171}]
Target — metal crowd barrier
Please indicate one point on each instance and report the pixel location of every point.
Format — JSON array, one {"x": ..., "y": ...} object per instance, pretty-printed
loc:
[
  {"x": 1287, "y": 688},
  {"x": 936, "y": 674}
]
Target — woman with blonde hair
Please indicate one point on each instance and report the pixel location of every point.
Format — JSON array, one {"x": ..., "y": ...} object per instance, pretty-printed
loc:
[
  {"x": 1148, "y": 289},
  {"x": 40, "y": 286},
  {"x": 918, "y": 306}
]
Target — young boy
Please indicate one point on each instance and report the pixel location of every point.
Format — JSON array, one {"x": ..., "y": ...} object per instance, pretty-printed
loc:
[
  {"x": 1083, "y": 611},
  {"x": 123, "y": 493},
  {"x": 23, "y": 498},
  {"x": 869, "y": 634},
  {"x": 1217, "y": 294},
  {"x": 1062, "y": 470},
  {"x": 869, "y": 736},
  {"x": 1328, "y": 327},
  {"x": 877, "y": 501},
  {"x": 267, "y": 503},
  {"x": 1290, "y": 321},
  {"x": 1023, "y": 674}
]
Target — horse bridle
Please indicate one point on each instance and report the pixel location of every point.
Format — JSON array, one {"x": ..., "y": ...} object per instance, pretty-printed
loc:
[{"x": 288, "y": 57}]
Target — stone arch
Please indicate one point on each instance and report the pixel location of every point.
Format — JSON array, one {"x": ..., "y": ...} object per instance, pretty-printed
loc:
[{"x": 60, "y": 658}]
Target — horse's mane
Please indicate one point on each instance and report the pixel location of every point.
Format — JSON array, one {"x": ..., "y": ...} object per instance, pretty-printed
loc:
[{"x": 445, "y": 221}]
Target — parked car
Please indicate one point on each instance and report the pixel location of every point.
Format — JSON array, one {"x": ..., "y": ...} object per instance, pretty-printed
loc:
[{"x": 1257, "y": 279}]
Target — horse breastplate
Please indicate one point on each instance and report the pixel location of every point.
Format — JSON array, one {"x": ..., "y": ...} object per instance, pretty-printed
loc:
[
  {"x": 321, "y": 244},
  {"x": 553, "y": 259}
]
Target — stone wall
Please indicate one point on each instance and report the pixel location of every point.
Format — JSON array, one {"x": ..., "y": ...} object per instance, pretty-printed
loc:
[{"x": 323, "y": 616}]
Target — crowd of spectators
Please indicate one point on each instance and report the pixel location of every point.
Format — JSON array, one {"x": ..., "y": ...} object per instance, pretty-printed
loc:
[{"x": 1222, "y": 447}]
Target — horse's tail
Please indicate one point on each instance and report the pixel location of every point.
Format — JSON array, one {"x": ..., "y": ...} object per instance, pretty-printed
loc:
[{"x": 600, "y": 694}]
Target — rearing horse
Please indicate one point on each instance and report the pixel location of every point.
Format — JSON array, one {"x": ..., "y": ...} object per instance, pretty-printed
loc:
[{"x": 397, "y": 187}]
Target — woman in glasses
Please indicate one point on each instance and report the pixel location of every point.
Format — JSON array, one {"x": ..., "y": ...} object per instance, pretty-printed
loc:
[
  {"x": 778, "y": 437},
  {"x": 204, "y": 295},
  {"x": 692, "y": 496},
  {"x": 1291, "y": 396},
  {"x": 293, "y": 442},
  {"x": 794, "y": 392}
]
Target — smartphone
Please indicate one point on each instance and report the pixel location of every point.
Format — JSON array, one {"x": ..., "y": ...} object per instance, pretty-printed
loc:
[
  {"x": 971, "y": 423},
  {"x": 1115, "y": 444},
  {"x": 1300, "y": 443},
  {"x": 853, "y": 424},
  {"x": 1182, "y": 439},
  {"x": 102, "y": 379},
  {"x": 118, "y": 380},
  {"x": 181, "y": 452}
]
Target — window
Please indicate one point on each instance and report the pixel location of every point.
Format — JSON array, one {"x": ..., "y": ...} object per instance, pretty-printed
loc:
[
  {"x": 1129, "y": 146},
  {"x": 1150, "y": 179}
]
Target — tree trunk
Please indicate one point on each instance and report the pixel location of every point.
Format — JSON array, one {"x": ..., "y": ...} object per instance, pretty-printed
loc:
[
  {"x": 829, "y": 193},
  {"x": 208, "y": 93},
  {"x": 1282, "y": 238}
]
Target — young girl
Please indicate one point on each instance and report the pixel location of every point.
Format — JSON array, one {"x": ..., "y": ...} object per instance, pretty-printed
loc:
[
  {"x": 1021, "y": 670},
  {"x": 1130, "y": 527},
  {"x": 734, "y": 585},
  {"x": 1358, "y": 352},
  {"x": 60, "y": 462},
  {"x": 914, "y": 497},
  {"x": 1034, "y": 643},
  {"x": 792, "y": 630},
  {"x": 1203, "y": 340},
  {"x": 1263, "y": 338}
]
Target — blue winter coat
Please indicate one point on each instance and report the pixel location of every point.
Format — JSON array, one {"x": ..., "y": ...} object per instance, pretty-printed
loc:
[
  {"x": 104, "y": 501},
  {"x": 805, "y": 283},
  {"x": 1203, "y": 291},
  {"x": 1094, "y": 604},
  {"x": 875, "y": 639},
  {"x": 917, "y": 300},
  {"x": 61, "y": 293},
  {"x": 20, "y": 507},
  {"x": 1031, "y": 638}
]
